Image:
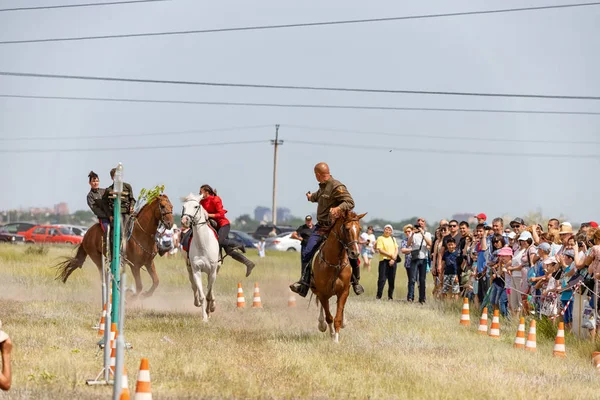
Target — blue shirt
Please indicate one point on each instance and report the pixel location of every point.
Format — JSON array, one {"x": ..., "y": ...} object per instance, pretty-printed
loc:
[
  {"x": 407, "y": 257},
  {"x": 450, "y": 260}
]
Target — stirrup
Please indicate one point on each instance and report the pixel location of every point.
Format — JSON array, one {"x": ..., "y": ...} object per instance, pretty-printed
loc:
[
  {"x": 358, "y": 289},
  {"x": 299, "y": 288}
]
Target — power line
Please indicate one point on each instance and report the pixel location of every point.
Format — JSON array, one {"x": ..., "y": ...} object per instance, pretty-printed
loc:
[
  {"x": 299, "y": 25},
  {"x": 427, "y": 136},
  {"x": 122, "y": 135},
  {"x": 292, "y": 87},
  {"x": 437, "y": 151},
  {"x": 113, "y": 3},
  {"x": 95, "y": 149},
  {"x": 284, "y": 105}
]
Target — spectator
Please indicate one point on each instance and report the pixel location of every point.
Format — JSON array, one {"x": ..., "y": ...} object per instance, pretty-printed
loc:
[
  {"x": 463, "y": 227},
  {"x": 450, "y": 269},
  {"x": 498, "y": 227},
  {"x": 5, "y": 350},
  {"x": 261, "y": 247},
  {"x": 481, "y": 218},
  {"x": 419, "y": 240},
  {"x": 387, "y": 247},
  {"x": 442, "y": 234},
  {"x": 567, "y": 263},
  {"x": 303, "y": 233},
  {"x": 273, "y": 233},
  {"x": 518, "y": 225},
  {"x": 498, "y": 296},
  {"x": 406, "y": 249},
  {"x": 454, "y": 231},
  {"x": 521, "y": 260},
  {"x": 367, "y": 241},
  {"x": 481, "y": 248},
  {"x": 553, "y": 223}
]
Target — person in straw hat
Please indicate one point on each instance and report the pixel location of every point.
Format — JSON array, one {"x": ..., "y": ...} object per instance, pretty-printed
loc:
[{"x": 5, "y": 350}]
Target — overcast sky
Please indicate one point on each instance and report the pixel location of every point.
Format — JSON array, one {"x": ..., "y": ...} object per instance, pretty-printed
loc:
[{"x": 538, "y": 52}]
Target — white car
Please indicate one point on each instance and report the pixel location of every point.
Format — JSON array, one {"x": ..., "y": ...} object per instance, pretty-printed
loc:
[{"x": 282, "y": 242}]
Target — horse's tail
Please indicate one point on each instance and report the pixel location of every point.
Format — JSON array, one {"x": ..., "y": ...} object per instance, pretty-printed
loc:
[{"x": 66, "y": 267}]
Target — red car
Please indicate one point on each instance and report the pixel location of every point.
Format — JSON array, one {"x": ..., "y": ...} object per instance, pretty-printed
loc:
[{"x": 51, "y": 234}]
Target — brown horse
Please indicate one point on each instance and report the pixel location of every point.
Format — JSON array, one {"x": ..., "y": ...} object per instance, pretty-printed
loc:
[
  {"x": 141, "y": 246},
  {"x": 332, "y": 271}
]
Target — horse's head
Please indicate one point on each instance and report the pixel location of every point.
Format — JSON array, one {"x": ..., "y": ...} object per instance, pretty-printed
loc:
[
  {"x": 164, "y": 211},
  {"x": 193, "y": 213},
  {"x": 350, "y": 232}
]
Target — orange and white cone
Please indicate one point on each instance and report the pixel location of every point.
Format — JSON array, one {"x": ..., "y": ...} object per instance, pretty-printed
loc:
[
  {"x": 559, "y": 343},
  {"x": 124, "y": 386},
  {"x": 291, "y": 299},
  {"x": 113, "y": 353},
  {"x": 531, "y": 340},
  {"x": 102, "y": 324},
  {"x": 241, "y": 301},
  {"x": 113, "y": 334},
  {"x": 495, "y": 328},
  {"x": 482, "y": 330},
  {"x": 142, "y": 387},
  {"x": 520, "y": 338},
  {"x": 256, "y": 300},
  {"x": 465, "y": 318},
  {"x": 596, "y": 360}
]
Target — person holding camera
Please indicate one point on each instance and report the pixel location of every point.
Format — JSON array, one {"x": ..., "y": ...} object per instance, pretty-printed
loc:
[
  {"x": 367, "y": 241},
  {"x": 419, "y": 241},
  {"x": 387, "y": 247}
]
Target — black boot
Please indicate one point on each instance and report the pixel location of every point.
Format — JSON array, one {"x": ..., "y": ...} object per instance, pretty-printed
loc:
[
  {"x": 358, "y": 289},
  {"x": 242, "y": 258},
  {"x": 301, "y": 287}
]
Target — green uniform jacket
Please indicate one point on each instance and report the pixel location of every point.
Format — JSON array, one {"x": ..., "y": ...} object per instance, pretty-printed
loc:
[
  {"x": 94, "y": 200},
  {"x": 331, "y": 193},
  {"x": 127, "y": 200}
]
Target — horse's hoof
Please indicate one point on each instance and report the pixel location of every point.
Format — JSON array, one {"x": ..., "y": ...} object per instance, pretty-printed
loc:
[
  {"x": 147, "y": 294},
  {"x": 322, "y": 328},
  {"x": 197, "y": 302},
  {"x": 212, "y": 307}
]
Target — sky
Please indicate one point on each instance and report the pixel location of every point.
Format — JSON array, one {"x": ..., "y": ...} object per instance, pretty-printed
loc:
[{"x": 438, "y": 163}]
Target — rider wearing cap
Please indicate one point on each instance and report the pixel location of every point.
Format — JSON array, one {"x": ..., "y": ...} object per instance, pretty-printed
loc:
[{"x": 333, "y": 199}]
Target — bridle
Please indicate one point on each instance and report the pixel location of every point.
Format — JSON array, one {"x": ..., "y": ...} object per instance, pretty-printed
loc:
[
  {"x": 193, "y": 217},
  {"x": 343, "y": 242},
  {"x": 163, "y": 214}
]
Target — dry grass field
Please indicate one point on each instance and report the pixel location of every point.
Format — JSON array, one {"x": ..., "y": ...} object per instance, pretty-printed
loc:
[{"x": 389, "y": 350}]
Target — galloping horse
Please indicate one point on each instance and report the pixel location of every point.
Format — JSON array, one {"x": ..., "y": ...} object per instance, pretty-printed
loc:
[
  {"x": 141, "y": 246},
  {"x": 203, "y": 253},
  {"x": 332, "y": 271}
]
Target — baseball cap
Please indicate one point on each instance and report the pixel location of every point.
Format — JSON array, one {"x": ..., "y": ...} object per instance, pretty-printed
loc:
[
  {"x": 517, "y": 221},
  {"x": 525, "y": 235},
  {"x": 550, "y": 260},
  {"x": 569, "y": 253},
  {"x": 308, "y": 217},
  {"x": 505, "y": 251},
  {"x": 481, "y": 215},
  {"x": 3, "y": 335},
  {"x": 593, "y": 224},
  {"x": 512, "y": 235},
  {"x": 545, "y": 247}
]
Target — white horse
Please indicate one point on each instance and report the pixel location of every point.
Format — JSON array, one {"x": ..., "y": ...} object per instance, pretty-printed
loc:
[{"x": 203, "y": 253}]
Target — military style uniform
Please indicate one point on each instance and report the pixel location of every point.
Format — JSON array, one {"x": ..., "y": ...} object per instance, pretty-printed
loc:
[
  {"x": 127, "y": 203},
  {"x": 94, "y": 200},
  {"x": 332, "y": 193}
]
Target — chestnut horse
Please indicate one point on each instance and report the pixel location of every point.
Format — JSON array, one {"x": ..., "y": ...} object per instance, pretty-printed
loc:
[
  {"x": 141, "y": 246},
  {"x": 332, "y": 271}
]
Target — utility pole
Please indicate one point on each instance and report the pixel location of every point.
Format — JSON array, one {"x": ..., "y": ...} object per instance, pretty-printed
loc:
[{"x": 276, "y": 143}]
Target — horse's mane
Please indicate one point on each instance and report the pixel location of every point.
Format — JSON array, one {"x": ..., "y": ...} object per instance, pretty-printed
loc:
[{"x": 192, "y": 196}]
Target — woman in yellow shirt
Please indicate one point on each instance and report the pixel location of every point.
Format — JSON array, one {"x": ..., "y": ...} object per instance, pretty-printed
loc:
[{"x": 387, "y": 247}]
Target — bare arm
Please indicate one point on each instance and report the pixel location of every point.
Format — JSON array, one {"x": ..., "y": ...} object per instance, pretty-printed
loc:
[{"x": 5, "y": 375}]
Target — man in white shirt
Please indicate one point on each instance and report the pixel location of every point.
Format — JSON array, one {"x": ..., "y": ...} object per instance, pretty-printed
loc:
[
  {"x": 418, "y": 241},
  {"x": 367, "y": 241}
]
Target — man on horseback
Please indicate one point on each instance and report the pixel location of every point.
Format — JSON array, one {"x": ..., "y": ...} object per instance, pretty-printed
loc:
[
  {"x": 214, "y": 207},
  {"x": 333, "y": 199},
  {"x": 94, "y": 200},
  {"x": 127, "y": 203}
]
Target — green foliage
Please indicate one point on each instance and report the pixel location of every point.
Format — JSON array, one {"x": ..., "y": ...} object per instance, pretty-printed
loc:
[
  {"x": 36, "y": 250},
  {"x": 146, "y": 196}
]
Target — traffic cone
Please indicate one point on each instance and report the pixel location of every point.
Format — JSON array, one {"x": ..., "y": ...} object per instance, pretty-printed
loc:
[
  {"x": 559, "y": 343},
  {"x": 256, "y": 300},
  {"x": 124, "y": 386},
  {"x": 520, "y": 339},
  {"x": 465, "y": 318},
  {"x": 113, "y": 353},
  {"x": 495, "y": 329},
  {"x": 241, "y": 301},
  {"x": 291, "y": 299},
  {"x": 482, "y": 330},
  {"x": 101, "y": 326},
  {"x": 142, "y": 387},
  {"x": 113, "y": 334},
  {"x": 531, "y": 342}
]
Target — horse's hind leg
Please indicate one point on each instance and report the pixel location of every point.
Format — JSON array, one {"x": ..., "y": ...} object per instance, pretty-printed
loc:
[
  {"x": 135, "y": 270},
  {"x": 193, "y": 282},
  {"x": 322, "y": 324},
  {"x": 210, "y": 287},
  {"x": 197, "y": 267},
  {"x": 152, "y": 272}
]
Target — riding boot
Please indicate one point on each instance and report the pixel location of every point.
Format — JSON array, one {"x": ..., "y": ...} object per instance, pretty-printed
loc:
[
  {"x": 301, "y": 287},
  {"x": 242, "y": 258},
  {"x": 358, "y": 289}
]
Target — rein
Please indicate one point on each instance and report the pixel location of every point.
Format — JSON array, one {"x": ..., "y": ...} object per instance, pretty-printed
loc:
[{"x": 136, "y": 221}]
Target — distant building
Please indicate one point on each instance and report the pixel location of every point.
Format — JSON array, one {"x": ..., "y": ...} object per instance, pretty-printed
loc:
[
  {"x": 283, "y": 214},
  {"x": 61, "y": 209},
  {"x": 262, "y": 214}
]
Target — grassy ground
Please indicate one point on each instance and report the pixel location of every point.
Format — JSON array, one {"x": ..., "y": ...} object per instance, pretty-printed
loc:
[{"x": 388, "y": 350}]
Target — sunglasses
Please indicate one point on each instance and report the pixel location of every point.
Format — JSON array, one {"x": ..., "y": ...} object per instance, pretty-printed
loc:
[
  {"x": 453, "y": 226},
  {"x": 516, "y": 226}
]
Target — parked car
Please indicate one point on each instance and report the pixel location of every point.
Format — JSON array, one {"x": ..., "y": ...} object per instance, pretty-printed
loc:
[
  {"x": 282, "y": 242},
  {"x": 51, "y": 234},
  {"x": 76, "y": 229},
  {"x": 242, "y": 237},
  {"x": 7, "y": 237},
  {"x": 18, "y": 227},
  {"x": 264, "y": 230}
]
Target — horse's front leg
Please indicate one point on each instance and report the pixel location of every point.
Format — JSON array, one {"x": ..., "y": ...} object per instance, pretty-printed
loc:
[
  {"x": 322, "y": 324},
  {"x": 339, "y": 315},
  {"x": 210, "y": 294},
  {"x": 328, "y": 316},
  {"x": 197, "y": 268},
  {"x": 135, "y": 270},
  {"x": 152, "y": 272},
  {"x": 193, "y": 282}
]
